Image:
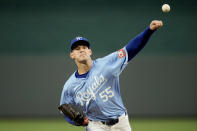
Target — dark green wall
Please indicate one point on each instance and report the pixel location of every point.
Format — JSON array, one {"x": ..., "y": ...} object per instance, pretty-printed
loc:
[{"x": 49, "y": 26}]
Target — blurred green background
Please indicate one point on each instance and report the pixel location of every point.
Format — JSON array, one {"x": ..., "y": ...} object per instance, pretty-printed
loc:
[
  {"x": 138, "y": 124},
  {"x": 158, "y": 86}
]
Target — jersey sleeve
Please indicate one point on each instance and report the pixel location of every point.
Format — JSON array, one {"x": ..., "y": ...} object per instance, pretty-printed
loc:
[
  {"x": 66, "y": 97},
  {"x": 117, "y": 61}
]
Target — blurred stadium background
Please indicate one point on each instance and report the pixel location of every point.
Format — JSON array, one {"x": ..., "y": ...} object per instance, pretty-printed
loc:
[{"x": 158, "y": 87}]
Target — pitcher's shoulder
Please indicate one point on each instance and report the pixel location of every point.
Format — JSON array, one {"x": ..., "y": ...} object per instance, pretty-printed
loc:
[{"x": 70, "y": 81}]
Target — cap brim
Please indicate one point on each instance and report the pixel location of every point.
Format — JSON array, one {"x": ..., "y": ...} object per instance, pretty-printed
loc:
[{"x": 80, "y": 42}]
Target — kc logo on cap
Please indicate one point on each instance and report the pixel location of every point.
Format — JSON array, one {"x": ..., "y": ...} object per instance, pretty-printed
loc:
[{"x": 79, "y": 38}]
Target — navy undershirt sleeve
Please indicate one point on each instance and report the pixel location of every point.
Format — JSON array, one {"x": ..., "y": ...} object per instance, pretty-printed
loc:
[
  {"x": 69, "y": 121},
  {"x": 136, "y": 44}
]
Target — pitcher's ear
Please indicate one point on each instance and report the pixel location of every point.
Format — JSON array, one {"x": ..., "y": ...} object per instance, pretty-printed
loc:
[
  {"x": 90, "y": 52},
  {"x": 71, "y": 55}
]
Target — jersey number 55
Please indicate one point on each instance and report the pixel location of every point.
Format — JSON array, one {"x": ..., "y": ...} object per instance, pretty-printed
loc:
[{"x": 106, "y": 94}]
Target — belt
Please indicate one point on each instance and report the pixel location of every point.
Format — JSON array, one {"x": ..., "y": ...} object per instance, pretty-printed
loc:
[{"x": 110, "y": 122}]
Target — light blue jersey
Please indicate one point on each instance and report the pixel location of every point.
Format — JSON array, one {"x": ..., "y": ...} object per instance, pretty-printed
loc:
[{"x": 99, "y": 92}]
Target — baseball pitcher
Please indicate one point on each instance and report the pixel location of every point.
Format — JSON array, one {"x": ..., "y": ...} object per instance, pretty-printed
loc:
[{"x": 91, "y": 96}]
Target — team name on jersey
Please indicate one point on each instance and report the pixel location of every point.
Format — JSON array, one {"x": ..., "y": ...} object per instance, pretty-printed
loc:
[{"x": 92, "y": 90}]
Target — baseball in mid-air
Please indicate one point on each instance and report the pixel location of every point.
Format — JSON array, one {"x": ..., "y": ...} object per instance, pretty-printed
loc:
[{"x": 166, "y": 8}]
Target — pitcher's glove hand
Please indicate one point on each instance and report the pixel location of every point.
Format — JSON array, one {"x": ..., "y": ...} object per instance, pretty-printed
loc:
[{"x": 74, "y": 113}]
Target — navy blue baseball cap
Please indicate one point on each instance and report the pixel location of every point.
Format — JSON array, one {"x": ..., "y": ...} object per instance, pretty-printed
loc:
[{"x": 79, "y": 41}]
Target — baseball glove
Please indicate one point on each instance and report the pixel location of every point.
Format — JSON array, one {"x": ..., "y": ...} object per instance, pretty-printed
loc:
[{"x": 74, "y": 113}]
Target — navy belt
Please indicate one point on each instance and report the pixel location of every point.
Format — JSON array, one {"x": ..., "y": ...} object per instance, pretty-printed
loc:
[{"x": 110, "y": 122}]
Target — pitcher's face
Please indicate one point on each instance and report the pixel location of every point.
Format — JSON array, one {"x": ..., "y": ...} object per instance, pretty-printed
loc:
[{"x": 81, "y": 53}]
